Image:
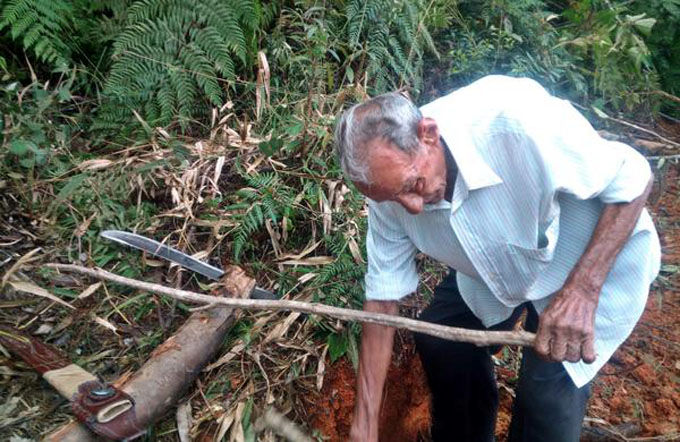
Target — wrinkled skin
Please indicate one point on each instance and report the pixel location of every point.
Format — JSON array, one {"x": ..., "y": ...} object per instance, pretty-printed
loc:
[{"x": 566, "y": 329}]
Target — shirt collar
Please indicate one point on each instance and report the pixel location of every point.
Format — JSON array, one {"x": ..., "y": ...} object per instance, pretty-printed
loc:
[{"x": 474, "y": 170}]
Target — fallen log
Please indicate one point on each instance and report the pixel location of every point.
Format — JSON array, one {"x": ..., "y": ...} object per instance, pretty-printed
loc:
[
  {"x": 477, "y": 337},
  {"x": 171, "y": 368}
]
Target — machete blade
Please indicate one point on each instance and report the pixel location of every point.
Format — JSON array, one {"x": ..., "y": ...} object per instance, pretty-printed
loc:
[{"x": 173, "y": 255}]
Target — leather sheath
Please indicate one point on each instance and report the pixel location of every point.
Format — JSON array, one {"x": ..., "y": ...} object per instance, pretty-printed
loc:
[{"x": 111, "y": 415}]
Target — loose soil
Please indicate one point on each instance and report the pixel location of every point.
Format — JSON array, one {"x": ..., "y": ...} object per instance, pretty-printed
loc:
[
  {"x": 636, "y": 394},
  {"x": 405, "y": 414}
]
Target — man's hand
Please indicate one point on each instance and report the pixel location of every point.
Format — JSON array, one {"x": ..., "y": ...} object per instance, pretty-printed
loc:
[
  {"x": 566, "y": 328},
  {"x": 374, "y": 360}
]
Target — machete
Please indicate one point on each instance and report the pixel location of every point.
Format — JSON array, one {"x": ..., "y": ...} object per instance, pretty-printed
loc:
[{"x": 173, "y": 255}]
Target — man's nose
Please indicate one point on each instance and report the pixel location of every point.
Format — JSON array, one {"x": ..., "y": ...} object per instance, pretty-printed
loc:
[{"x": 412, "y": 204}]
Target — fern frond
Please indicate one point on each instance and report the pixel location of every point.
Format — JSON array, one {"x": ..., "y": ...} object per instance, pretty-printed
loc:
[
  {"x": 175, "y": 52},
  {"x": 42, "y": 26}
]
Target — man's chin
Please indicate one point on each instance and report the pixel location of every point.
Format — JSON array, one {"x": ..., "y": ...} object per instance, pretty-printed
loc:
[{"x": 436, "y": 198}]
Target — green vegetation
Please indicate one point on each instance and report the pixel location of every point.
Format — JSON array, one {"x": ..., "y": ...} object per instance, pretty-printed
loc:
[{"x": 208, "y": 123}]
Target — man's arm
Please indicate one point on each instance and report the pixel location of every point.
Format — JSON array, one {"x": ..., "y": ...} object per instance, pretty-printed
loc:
[
  {"x": 566, "y": 328},
  {"x": 374, "y": 360}
]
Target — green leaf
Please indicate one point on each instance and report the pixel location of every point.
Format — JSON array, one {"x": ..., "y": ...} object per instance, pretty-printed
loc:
[
  {"x": 270, "y": 147},
  {"x": 645, "y": 25},
  {"x": 337, "y": 346},
  {"x": 70, "y": 187},
  {"x": 28, "y": 163},
  {"x": 350, "y": 74},
  {"x": 21, "y": 147},
  {"x": 294, "y": 130},
  {"x": 248, "y": 430},
  {"x": 64, "y": 93},
  {"x": 599, "y": 112}
]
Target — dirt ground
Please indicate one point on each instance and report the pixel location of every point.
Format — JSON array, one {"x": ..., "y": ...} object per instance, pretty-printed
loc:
[{"x": 636, "y": 396}]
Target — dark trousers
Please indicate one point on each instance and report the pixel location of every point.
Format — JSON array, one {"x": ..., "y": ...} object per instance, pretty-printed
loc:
[{"x": 548, "y": 407}]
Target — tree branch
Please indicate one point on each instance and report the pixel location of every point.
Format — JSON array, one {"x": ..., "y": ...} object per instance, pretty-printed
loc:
[{"x": 477, "y": 337}]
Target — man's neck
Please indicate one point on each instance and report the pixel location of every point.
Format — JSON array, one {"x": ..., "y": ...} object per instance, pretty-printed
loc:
[{"x": 451, "y": 171}]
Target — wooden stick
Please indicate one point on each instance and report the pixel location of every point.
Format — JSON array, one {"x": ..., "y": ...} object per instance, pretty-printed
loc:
[
  {"x": 642, "y": 129},
  {"x": 668, "y": 96},
  {"x": 477, "y": 337}
]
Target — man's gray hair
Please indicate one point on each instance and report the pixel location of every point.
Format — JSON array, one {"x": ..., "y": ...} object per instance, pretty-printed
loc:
[{"x": 389, "y": 116}]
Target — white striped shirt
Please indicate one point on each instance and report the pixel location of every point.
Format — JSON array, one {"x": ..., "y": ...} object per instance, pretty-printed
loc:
[{"x": 533, "y": 179}]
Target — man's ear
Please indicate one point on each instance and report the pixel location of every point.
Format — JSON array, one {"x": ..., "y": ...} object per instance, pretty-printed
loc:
[{"x": 428, "y": 132}]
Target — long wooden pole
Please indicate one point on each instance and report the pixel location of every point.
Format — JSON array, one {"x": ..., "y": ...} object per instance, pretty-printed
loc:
[{"x": 477, "y": 337}]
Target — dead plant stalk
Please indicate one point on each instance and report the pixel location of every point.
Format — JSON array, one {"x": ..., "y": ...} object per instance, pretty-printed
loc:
[{"x": 477, "y": 337}]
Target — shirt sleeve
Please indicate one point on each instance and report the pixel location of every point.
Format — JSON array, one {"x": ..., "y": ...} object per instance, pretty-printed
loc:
[
  {"x": 391, "y": 256},
  {"x": 576, "y": 159}
]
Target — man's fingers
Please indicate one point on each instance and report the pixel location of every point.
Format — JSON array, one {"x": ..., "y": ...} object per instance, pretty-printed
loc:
[
  {"x": 542, "y": 342},
  {"x": 558, "y": 348},
  {"x": 573, "y": 352},
  {"x": 588, "y": 350}
]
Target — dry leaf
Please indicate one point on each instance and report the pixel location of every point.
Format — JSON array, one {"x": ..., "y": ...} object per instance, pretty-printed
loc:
[
  {"x": 262, "y": 82},
  {"x": 218, "y": 171},
  {"x": 281, "y": 328},
  {"x": 90, "y": 290},
  {"x": 237, "y": 429},
  {"x": 95, "y": 164},
  {"x": 29, "y": 287},
  {"x": 321, "y": 369},
  {"x": 313, "y": 261},
  {"x": 68, "y": 320},
  {"x": 184, "y": 421},
  {"x": 43, "y": 329},
  {"x": 274, "y": 237},
  {"x": 326, "y": 213},
  {"x": 104, "y": 323},
  {"x": 309, "y": 249},
  {"x": 235, "y": 351},
  {"x": 17, "y": 265},
  {"x": 306, "y": 277},
  {"x": 225, "y": 422},
  {"x": 82, "y": 229},
  {"x": 264, "y": 65},
  {"x": 256, "y": 163},
  {"x": 356, "y": 252}
]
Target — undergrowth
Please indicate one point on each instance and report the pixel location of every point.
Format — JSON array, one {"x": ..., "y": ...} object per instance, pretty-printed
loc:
[{"x": 208, "y": 125}]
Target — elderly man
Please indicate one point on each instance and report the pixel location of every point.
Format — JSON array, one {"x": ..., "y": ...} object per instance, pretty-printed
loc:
[{"x": 532, "y": 211}]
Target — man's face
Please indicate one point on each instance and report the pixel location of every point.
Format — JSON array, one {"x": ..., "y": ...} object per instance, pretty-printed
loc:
[{"x": 412, "y": 180}]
